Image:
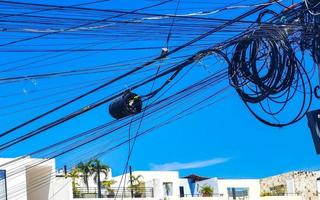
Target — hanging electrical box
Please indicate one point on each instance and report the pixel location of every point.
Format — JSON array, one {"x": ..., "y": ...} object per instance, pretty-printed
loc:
[{"x": 127, "y": 104}]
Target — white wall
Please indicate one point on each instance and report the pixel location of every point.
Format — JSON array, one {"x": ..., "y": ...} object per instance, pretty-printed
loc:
[
  {"x": 16, "y": 177},
  {"x": 38, "y": 181},
  {"x": 212, "y": 182},
  {"x": 62, "y": 189},
  {"x": 30, "y": 179},
  {"x": 201, "y": 198},
  {"x": 185, "y": 184},
  {"x": 118, "y": 198},
  {"x": 252, "y": 184},
  {"x": 91, "y": 181},
  {"x": 155, "y": 179}
]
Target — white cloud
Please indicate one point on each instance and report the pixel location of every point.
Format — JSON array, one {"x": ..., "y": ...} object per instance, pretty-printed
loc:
[{"x": 191, "y": 165}]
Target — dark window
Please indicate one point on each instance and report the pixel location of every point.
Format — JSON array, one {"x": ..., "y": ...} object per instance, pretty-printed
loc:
[
  {"x": 181, "y": 188},
  {"x": 3, "y": 185}
]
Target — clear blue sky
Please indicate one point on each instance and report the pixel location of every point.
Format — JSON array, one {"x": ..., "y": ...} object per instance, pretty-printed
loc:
[{"x": 223, "y": 140}]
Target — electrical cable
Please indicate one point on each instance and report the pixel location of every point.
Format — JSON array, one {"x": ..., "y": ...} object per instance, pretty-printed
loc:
[{"x": 216, "y": 29}]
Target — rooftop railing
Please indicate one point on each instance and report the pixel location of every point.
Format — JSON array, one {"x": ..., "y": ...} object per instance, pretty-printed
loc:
[
  {"x": 279, "y": 194},
  {"x": 200, "y": 195},
  {"x": 122, "y": 192}
]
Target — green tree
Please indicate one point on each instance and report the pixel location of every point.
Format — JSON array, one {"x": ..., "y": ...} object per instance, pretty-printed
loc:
[
  {"x": 137, "y": 185},
  {"x": 107, "y": 184},
  {"x": 92, "y": 167},
  {"x": 74, "y": 175},
  {"x": 85, "y": 168},
  {"x": 206, "y": 191},
  {"x": 97, "y": 165}
]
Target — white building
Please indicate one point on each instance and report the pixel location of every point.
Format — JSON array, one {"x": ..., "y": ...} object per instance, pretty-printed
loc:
[
  {"x": 159, "y": 184},
  {"x": 189, "y": 187},
  {"x": 36, "y": 179},
  {"x": 26, "y": 178}
]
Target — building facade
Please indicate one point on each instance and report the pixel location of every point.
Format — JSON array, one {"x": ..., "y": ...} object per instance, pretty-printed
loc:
[
  {"x": 298, "y": 183},
  {"x": 26, "y": 178}
]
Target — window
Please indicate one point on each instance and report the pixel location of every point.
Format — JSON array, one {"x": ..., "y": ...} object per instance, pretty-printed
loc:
[
  {"x": 238, "y": 193},
  {"x": 181, "y": 189},
  {"x": 167, "y": 187},
  {"x": 3, "y": 185}
]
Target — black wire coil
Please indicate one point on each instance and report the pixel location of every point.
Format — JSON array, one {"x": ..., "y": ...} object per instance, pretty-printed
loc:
[{"x": 267, "y": 76}]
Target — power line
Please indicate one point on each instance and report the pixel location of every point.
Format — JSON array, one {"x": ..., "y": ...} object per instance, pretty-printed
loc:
[{"x": 214, "y": 30}]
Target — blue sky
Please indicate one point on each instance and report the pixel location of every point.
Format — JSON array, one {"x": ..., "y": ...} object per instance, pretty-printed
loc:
[{"x": 223, "y": 140}]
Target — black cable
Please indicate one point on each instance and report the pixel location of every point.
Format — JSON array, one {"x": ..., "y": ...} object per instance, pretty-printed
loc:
[
  {"x": 81, "y": 96},
  {"x": 214, "y": 30},
  {"x": 81, "y": 25},
  {"x": 274, "y": 81}
]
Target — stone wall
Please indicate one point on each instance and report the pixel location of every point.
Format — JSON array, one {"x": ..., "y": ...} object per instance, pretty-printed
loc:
[
  {"x": 282, "y": 198},
  {"x": 303, "y": 184}
]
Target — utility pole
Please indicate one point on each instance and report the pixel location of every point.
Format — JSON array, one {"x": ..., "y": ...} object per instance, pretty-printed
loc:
[
  {"x": 65, "y": 171},
  {"x": 99, "y": 182},
  {"x": 131, "y": 181}
]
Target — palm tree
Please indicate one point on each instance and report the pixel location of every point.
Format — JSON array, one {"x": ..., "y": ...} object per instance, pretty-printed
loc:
[
  {"x": 74, "y": 174},
  {"x": 137, "y": 185},
  {"x": 93, "y": 167},
  {"x": 85, "y": 168},
  {"x": 206, "y": 191},
  {"x": 107, "y": 184},
  {"x": 136, "y": 180},
  {"x": 97, "y": 165}
]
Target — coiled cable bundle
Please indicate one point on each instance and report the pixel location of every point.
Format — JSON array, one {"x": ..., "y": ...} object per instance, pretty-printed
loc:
[{"x": 269, "y": 78}]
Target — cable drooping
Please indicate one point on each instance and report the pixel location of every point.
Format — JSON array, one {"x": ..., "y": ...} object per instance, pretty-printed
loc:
[
  {"x": 109, "y": 82},
  {"x": 269, "y": 78}
]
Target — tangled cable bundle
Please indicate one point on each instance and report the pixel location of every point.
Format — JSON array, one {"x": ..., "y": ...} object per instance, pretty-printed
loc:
[
  {"x": 316, "y": 46},
  {"x": 269, "y": 79},
  {"x": 313, "y": 6},
  {"x": 309, "y": 37}
]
